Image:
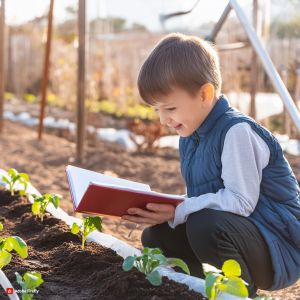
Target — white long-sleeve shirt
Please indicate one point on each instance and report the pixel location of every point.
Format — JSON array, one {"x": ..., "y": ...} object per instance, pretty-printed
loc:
[{"x": 245, "y": 154}]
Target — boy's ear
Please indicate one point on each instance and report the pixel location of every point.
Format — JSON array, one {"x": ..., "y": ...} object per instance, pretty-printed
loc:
[{"x": 207, "y": 92}]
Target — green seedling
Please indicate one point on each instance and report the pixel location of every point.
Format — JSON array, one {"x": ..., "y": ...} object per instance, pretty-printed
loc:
[
  {"x": 230, "y": 282},
  {"x": 148, "y": 262},
  {"x": 29, "y": 282},
  {"x": 41, "y": 202},
  {"x": 7, "y": 245},
  {"x": 88, "y": 225},
  {"x": 14, "y": 178}
]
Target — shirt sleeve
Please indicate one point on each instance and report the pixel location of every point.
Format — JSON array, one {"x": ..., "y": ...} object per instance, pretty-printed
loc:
[{"x": 245, "y": 154}]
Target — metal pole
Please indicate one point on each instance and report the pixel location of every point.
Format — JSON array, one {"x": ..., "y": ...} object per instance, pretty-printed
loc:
[
  {"x": 267, "y": 64},
  {"x": 286, "y": 118},
  {"x": 219, "y": 25},
  {"x": 2, "y": 45},
  {"x": 254, "y": 64},
  {"x": 46, "y": 70},
  {"x": 297, "y": 89},
  {"x": 81, "y": 82}
]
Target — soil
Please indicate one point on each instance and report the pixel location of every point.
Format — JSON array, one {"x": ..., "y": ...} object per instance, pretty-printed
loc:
[
  {"x": 45, "y": 163},
  {"x": 68, "y": 271}
]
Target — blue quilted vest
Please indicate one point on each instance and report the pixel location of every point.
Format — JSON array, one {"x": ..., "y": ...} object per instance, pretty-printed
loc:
[{"x": 277, "y": 214}]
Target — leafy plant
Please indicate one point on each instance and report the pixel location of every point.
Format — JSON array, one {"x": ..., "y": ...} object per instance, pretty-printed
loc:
[
  {"x": 7, "y": 245},
  {"x": 8, "y": 96},
  {"x": 41, "y": 202},
  {"x": 148, "y": 262},
  {"x": 30, "y": 98},
  {"x": 14, "y": 178},
  {"x": 88, "y": 225},
  {"x": 230, "y": 282},
  {"x": 29, "y": 282}
]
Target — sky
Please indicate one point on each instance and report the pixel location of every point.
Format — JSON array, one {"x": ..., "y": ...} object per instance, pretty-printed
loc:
[{"x": 142, "y": 11}]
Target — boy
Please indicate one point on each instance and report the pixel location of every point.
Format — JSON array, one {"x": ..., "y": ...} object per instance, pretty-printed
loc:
[{"x": 243, "y": 200}]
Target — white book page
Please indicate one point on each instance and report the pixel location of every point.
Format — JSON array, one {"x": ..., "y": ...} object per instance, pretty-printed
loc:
[
  {"x": 80, "y": 179},
  {"x": 131, "y": 188}
]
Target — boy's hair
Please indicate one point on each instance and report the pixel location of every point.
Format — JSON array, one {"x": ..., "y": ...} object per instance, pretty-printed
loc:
[{"x": 181, "y": 61}]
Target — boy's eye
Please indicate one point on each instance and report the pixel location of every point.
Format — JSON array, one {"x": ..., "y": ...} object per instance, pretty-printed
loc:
[{"x": 171, "y": 108}]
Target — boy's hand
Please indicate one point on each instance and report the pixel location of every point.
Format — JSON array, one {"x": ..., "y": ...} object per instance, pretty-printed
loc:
[{"x": 154, "y": 214}]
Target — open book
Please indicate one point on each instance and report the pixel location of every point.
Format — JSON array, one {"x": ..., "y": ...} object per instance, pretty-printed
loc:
[{"x": 97, "y": 193}]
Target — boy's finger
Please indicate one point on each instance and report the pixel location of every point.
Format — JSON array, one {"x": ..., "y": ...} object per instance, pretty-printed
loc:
[
  {"x": 159, "y": 207},
  {"x": 143, "y": 213}
]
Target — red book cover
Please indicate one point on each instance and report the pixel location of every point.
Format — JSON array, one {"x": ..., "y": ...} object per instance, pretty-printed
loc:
[{"x": 96, "y": 193}]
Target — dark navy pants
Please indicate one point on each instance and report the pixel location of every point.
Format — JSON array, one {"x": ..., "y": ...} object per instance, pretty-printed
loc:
[{"x": 211, "y": 236}]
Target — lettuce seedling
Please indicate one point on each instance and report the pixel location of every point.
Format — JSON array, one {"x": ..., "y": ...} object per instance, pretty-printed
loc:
[
  {"x": 29, "y": 282},
  {"x": 14, "y": 178},
  {"x": 148, "y": 262},
  {"x": 7, "y": 245},
  {"x": 230, "y": 282},
  {"x": 41, "y": 202},
  {"x": 88, "y": 225}
]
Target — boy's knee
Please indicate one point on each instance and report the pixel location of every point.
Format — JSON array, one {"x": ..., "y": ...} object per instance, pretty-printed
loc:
[{"x": 203, "y": 224}]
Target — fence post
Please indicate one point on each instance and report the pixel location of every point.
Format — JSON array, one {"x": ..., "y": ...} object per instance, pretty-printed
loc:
[{"x": 2, "y": 32}]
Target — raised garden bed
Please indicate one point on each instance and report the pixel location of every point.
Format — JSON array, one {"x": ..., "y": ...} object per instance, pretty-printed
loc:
[{"x": 68, "y": 271}]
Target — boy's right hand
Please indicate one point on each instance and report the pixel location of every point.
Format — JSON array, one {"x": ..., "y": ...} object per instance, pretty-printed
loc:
[{"x": 154, "y": 214}]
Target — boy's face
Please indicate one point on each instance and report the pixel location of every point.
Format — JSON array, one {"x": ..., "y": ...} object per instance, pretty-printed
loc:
[{"x": 183, "y": 112}]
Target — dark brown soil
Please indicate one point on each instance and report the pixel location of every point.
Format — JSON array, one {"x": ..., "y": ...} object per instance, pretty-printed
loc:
[{"x": 68, "y": 271}]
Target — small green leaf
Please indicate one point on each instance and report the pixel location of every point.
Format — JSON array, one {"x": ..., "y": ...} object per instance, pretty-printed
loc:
[
  {"x": 36, "y": 207},
  {"x": 234, "y": 286},
  {"x": 179, "y": 263},
  {"x": 153, "y": 265},
  {"x": 128, "y": 263},
  {"x": 17, "y": 244},
  {"x": 155, "y": 251},
  {"x": 32, "y": 280},
  {"x": 1, "y": 227},
  {"x": 29, "y": 281},
  {"x": 12, "y": 172},
  {"x": 154, "y": 278},
  {"x": 231, "y": 268},
  {"x": 75, "y": 228},
  {"x": 5, "y": 258},
  {"x": 160, "y": 257},
  {"x": 210, "y": 282},
  {"x": 24, "y": 176},
  {"x": 19, "y": 280},
  {"x": 5, "y": 179},
  {"x": 97, "y": 222},
  {"x": 146, "y": 250},
  {"x": 55, "y": 199}
]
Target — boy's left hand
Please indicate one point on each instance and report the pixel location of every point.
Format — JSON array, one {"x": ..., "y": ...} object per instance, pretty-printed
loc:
[{"x": 154, "y": 214}]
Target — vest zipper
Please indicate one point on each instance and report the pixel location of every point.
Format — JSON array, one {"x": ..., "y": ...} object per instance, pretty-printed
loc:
[{"x": 189, "y": 171}]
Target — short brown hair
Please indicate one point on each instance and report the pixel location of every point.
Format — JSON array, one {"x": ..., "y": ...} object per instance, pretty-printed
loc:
[{"x": 181, "y": 61}]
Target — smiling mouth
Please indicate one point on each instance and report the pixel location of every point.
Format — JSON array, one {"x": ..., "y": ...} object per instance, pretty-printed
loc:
[{"x": 178, "y": 127}]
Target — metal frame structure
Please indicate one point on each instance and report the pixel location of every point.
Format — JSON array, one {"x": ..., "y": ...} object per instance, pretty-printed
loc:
[{"x": 262, "y": 54}]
